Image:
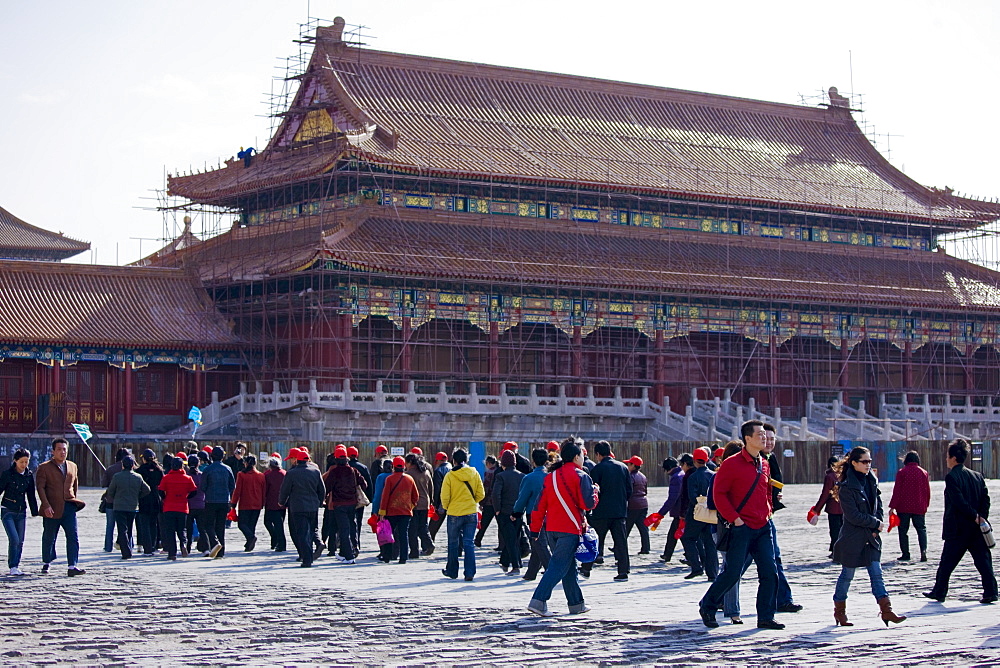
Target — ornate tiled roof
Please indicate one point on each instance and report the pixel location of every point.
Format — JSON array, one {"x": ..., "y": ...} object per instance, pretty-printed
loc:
[
  {"x": 86, "y": 305},
  {"x": 21, "y": 241},
  {"x": 441, "y": 117},
  {"x": 568, "y": 255}
]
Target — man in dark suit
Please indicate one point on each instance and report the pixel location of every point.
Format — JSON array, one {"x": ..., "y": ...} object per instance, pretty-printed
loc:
[
  {"x": 966, "y": 504},
  {"x": 612, "y": 508}
]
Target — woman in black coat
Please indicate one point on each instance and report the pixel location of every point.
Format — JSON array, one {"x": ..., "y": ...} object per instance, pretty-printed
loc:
[{"x": 859, "y": 545}]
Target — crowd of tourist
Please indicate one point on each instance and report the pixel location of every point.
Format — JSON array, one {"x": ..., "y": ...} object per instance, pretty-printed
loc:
[{"x": 554, "y": 513}]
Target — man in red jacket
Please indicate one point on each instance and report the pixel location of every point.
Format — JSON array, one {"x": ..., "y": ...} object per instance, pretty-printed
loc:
[
  {"x": 911, "y": 496},
  {"x": 742, "y": 495}
]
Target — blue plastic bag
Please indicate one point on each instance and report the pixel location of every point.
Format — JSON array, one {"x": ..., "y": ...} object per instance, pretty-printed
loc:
[{"x": 586, "y": 551}]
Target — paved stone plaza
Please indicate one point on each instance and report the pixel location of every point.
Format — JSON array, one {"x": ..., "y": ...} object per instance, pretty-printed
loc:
[{"x": 259, "y": 608}]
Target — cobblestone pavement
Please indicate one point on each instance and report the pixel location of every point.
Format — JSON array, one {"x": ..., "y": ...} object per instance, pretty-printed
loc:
[{"x": 258, "y": 608}]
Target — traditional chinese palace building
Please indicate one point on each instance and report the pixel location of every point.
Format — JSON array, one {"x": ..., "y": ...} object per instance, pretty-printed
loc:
[
  {"x": 434, "y": 237},
  {"x": 123, "y": 349}
]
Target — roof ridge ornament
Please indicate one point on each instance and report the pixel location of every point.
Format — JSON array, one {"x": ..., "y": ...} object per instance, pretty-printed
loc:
[{"x": 838, "y": 100}]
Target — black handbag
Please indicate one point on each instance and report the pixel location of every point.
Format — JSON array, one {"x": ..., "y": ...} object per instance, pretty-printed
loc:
[{"x": 724, "y": 530}]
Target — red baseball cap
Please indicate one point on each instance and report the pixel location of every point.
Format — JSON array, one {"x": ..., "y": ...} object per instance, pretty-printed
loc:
[
  {"x": 296, "y": 453},
  {"x": 552, "y": 445},
  {"x": 381, "y": 448},
  {"x": 440, "y": 455},
  {"x": 635, "y": 460},
  {"x": 340, "y": 451},
  {"x": 398, "y": 461},
  {"x": 276, "y": 454},
  {"x": 509, "y": 445},
  {"x": 416, "y": 451},
  {"x": 719, "y": 452},
  {"x": 700, "y": 455},
  {"x": 352, "y": 451}
]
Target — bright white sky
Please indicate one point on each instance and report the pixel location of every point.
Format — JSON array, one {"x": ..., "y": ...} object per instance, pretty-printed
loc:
[{"x": 99, "y": 100}]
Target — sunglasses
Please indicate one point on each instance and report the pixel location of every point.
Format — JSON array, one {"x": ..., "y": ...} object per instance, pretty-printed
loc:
[{"x": 864, "y": 461}]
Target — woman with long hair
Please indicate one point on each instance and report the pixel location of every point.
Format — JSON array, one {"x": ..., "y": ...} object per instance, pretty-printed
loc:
[
  {"x": 17, "y": 487},
  {"x": 859, "y": 545},
  {"x": 567, "y": 493}
]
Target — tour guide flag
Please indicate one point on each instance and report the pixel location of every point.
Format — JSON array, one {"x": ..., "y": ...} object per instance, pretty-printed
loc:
[
  {"x": 195, "y": 416},
  {"x": 83, "y": 430}
]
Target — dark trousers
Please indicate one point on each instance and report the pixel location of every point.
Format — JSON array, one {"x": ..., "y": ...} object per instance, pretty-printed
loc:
[
  {"x": 954, "y": 550},
  {"x": 124, "y": 520},
  {"x": 328, "y": 529},
  {"x": 637, "y": 518},
  {"x": 904, "y": 530},
  {"x": 756, "y": 543},
  {"x": 302, "y": 528},
  {"x": 835, "y": 522},
  {"x": 539, "y": 553},
  {"x": 343, "y": 521},
  {"x": 148, "y": 526},
  {"x": 274, "y": 522},
  {"x": 510, "y": 530},
  {"x": 359, "y": 521},
  {"x": 697, "y": 539},
  {"x": 50, "y": 531},
  {"x": 616, "y": 527},
  {"x": 196, "y": 516},
  {"x": 419, "y": 534},
  {"x": 401, "y": 534},
  {"x": 668, "y": 549},
  {"x": 215, "y": 525},
  {"x": 172, "y": 525},
  {"x": 489, "y": 513},
  {"x": 247, "y": 523}
]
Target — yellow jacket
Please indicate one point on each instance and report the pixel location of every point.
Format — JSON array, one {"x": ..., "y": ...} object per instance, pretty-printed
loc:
[{"x": 455, "y": 497}]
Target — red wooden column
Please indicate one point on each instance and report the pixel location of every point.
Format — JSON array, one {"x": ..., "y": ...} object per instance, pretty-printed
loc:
[
  {"x": 772, "y": 369},
  {"x": 406, "y": 356},
  {"x": 129, "y": 395},
  {"x": 576, "y": 355},
  {"x": 844, "y": 378},
  {"x": 908, "y": 366},
  {"x": 57, "y": 405},
  {"x": 494, "y": 358},
  {"x": 659, "y": 368},
  {"x": 346, "y": 334}
]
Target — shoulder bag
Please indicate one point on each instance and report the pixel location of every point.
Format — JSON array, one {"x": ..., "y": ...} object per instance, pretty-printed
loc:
[
  {"x": 724, "y": 532},
  {"x": 702, "y": 513},
  {"x": 586, "y": 550}
]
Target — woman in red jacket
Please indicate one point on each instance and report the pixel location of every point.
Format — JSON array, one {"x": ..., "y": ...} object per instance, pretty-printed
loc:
[
  {"x": 399, "y": 498},
  {"x": 911, "y": 496},
  {"x": 567, "y": 493},
  {"x": 176, "y": 486},
  {"x": 248, "y": 499}
]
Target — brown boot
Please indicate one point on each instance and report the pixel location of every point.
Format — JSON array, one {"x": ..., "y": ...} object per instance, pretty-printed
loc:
[
  {"x": 887, "y": 614},
  {"x": 840, "y": 613}
]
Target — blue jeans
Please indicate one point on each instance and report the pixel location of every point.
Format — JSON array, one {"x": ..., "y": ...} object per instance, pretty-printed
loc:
[
  {"x": 461, "y": 528},
  {"x": 562, "y": 566},
  {"x": 847, "y": 574},
  {"x": 784, "y": 593},
  {"x": 13, "y": 524},
  {"x": 50, "y": 531},
  {"x": 755, "y": 543},
  {"x": 731, "y": 601}
]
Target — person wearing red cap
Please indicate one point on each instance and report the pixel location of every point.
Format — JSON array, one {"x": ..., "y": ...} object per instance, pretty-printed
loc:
[
  {"x": 248, "y": 500},
  {"x": 399, "y": 497},
  {"x": 416, "y": 451},
  {"x": 717, "y": 457},
  {"x": 302, "y": 493},
  {"x": 441, "y": 469},
  {"x": 342, "y": 484},
  {"x": 381, "y": 455},
  {"x": 521, "y": 462},
  {"x": 359, "y": 514},
  {"x": 698, "y": 535},
  {"x": 420, "y": 538},
  {"x": 638, "y": 504}
]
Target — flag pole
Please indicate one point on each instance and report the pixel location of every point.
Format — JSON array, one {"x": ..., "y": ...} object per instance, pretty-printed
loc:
[{"x": 77, "y": 429}]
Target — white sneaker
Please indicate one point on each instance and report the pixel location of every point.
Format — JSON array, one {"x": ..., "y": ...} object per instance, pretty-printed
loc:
[
  {"x": 349, "y": 561},
  {"x": 16, "y": 571}
]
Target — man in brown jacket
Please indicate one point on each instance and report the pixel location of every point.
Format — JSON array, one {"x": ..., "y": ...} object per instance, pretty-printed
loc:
[{"x": 57, "y": 484}]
